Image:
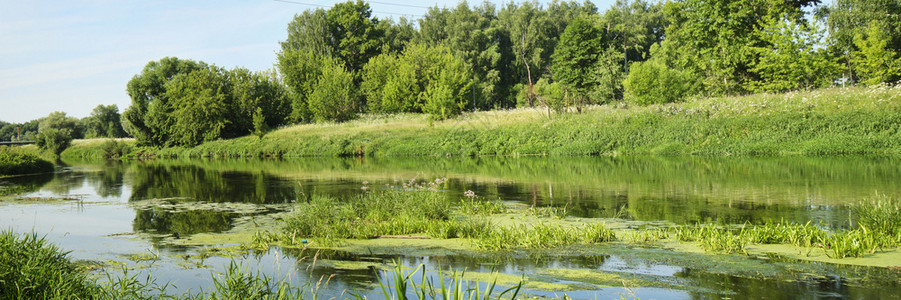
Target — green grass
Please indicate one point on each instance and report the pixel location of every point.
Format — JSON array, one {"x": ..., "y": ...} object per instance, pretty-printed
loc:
[
  {"x": 32, "y": 268},
  {"x": 829, "y": 121},
  {"x": 15, "y": 162},
  {"x": 877, "y": 226}
]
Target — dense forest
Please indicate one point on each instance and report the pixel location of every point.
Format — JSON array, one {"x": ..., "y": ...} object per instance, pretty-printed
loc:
[{"x": 341, "y": 62}]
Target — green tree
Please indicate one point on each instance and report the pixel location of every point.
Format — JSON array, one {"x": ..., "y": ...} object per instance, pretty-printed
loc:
[
  {"x": 634, "y": 25},
  {"x": 104, "y": 121},
  {"x": 356, "y": 34},
  {"x": 715, "y": 39},
  {"x": 260, "y": 128},
  {"x": 300, "y": 70},
  {"x": 795, "y": 60},
  {"x": 846, "y": 19},
  {"x": 422, "y": 78},
  {"x": 576, "y": 58},
  {"x": 474, "y": 34},
  {"x": 150, "y": 114},
  {"x": 334, "y": 97},
  {"x": 56, "y": 132},
  {"x": 200, "y": 107},
  {"x": 874, "y": 61},
  {"x": 527, "y": 25}
]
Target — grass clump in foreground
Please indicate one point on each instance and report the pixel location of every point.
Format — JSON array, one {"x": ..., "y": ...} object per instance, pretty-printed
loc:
[
  {"x": 17, "y": 163},
  {"x": 31, "y": 268}
]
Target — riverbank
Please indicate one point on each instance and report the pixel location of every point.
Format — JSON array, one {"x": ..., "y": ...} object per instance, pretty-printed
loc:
[
  {"x": 18, "y": 162},
  {"x": 834, "y": 121}
]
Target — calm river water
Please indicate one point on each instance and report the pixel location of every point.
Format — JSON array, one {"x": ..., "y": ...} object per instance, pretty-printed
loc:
[{"x": 106, "y": 211}]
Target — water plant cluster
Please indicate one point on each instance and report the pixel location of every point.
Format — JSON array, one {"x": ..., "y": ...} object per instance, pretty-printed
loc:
[
  {"x": 418, "y": 210},
  {"x": 426, "y": 213},
  {"x": 876, "y": 227}
]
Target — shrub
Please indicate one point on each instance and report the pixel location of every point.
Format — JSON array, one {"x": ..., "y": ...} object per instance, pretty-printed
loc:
[
  {"x": 651, "y": 82},
  {"x": 14, "y": 163}
]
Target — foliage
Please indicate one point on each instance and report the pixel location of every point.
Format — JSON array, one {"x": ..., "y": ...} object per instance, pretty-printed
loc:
[
  {"x": 27, "y": 130},
  {"x": 334, "y": 97},
  {"x": 56, "y": 132},
  {"x": 186, "y": 103},
  {"x": 874, "y": 60},
  {"x": 473, "y": 35},
  {"x": 846, "y": 19},
  {"x": 148, "y": 117},
  {"x": 794, "y": 61},
  {"x": 15, "y": 163},
  {"x": 31, "y": 268},
  {"x": 650, "y": 82},
  {"x": 576, "y": 57},
  {"x": 634, "y": 26},
  {"x": 104, "y": 121},
  {"x": 422, "y": 78},
  {"x": 723, "y": 57},
  {"x": 301, "y": 71}
]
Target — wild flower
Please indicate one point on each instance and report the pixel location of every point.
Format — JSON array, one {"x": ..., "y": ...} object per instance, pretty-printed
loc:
[{"x": 470, "y": 194}]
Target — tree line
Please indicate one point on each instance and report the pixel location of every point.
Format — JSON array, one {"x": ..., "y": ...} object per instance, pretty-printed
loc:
[
  {"x": 55, "y": 131},
  {"x": 340, "y": 62}
]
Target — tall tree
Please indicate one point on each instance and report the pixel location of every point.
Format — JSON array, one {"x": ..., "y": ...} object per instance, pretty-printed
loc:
[
  {"x": 846, "y": 19},
  {"x": 56, "y": 132},
  {"x": 576, "y": 58},
  {"x": 104, "y": 121},
  {"x": 715, "y": 38},
  {"x": 150, "y": 111},
  {"x": 634, "y": 26},
  {"x": 473, "y": 34},
  {"x": 356, "y": 33}
]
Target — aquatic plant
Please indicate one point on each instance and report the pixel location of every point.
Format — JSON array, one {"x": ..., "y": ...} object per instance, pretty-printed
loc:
[{"x": 400, "y": 284}]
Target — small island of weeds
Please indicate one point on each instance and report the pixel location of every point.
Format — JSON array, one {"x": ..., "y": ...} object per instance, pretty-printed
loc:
[{"x": 420, "y": 211}]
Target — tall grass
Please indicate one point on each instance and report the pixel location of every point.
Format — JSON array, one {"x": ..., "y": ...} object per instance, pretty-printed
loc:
[
  {"x": 14, "y": 162},
  {"x": 877, "y": 226},
  {"x": 32, "y": 268}
]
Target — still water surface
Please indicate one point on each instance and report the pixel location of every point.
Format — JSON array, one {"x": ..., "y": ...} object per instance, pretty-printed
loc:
[{"x": 113, "y": 209}]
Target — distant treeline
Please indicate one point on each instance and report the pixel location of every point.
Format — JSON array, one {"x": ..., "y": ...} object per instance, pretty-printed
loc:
[
  {"x": 340, "y": 62},
  {"x": 104, "y": 121}
]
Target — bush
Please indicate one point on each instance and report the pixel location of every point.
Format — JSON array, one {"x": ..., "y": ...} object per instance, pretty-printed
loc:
[
  {"x": 12, "y": 163},
  {"x": 651, "y": 82},
  {"x": 334, "y": 97}
]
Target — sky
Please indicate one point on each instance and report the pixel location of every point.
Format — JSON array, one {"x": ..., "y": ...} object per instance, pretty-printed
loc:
[{"x": 71, "y": 56}]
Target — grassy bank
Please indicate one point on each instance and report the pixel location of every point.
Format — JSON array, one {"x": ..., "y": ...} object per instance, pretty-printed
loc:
[
  {"x": 18, "y": 162},
  {"x": 823, "y": 122}
]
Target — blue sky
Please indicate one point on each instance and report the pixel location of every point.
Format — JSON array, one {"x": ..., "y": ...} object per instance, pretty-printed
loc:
[{"x": 74, "y": 55}]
